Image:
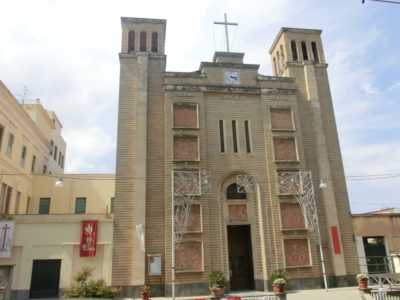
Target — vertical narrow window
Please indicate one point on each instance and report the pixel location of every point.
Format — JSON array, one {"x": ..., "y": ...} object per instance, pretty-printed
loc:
[
  {"x": 154, "y": 42},
  {"x": 247, "y": 135},
  {"x": 7, "y": 200},
  {"x": 282, "y": 56},
  {"x": 278, "y": 60},
  {"x": 10, "y": 144},
  {"x": 44, "y": 169},
  {"x": 143, "y": 40},
  {"x": 59, "y": 158},
  {"x": 294, "y": 50},
  {"x": 51, "y": 147},
  {"x": 112, "y": 205},
  {"x": 1, "y": 134},
  {"x": 17, "y": 203},
  {"x": 304, "y": 50},
  {"x": 221, "y": 136},
  {"x": 33, "y": 164},
  {"x": 315, "y": 51},
  {"x": 234, "y": 137},
  {"x": 80, "y": 205},
  {"x": 23, "y": 156},
  {"x": 275, "y": 66},
  {"x": 55, "y": 152},
  {"x": 44, "y": 206},
  {"x": 131, "y": 41},
  {"x": 62, "y": 162}
]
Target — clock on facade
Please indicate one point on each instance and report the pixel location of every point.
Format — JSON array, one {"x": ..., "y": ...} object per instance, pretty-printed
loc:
[{"x": 232, "y": 77}]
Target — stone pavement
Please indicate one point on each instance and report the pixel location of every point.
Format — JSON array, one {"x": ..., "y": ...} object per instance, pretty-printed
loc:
[{"x": 348, "y": 293}]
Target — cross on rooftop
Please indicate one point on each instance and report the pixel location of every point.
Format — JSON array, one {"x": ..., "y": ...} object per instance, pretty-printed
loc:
[{"x": 226, "y": 30}]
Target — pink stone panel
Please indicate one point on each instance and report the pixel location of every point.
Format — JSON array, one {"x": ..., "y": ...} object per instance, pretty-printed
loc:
[
  {"x": 185, "y": 116},
  {"x": 285, "y": 149},
  {"x": 186, "y": 148},
  {"x": 237, "y": 212},
  {"x": 194, "y": 222},
  {"x": 288, "y": 182},
  {"x": 291, "y": 216},
  {"x": 296, "y": 252},
  {"x": 189, "y": 256},
  {"x": 281, "y": 118}
]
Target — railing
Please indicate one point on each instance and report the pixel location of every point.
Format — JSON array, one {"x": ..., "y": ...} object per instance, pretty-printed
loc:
[{"x": 378, "y": 264}]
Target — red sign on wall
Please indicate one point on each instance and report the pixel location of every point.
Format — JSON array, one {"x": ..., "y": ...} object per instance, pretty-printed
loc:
[
  {"x": 335, "y": 239},
  {"x": 88, "y": 238}
]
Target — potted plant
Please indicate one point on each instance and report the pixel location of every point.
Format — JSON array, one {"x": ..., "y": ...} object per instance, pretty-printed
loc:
[
  {"x": 145, "y": 292},
  {"x": 217, "y": 283},
  {"x": 278, "y": 281},
  {"x": 362, "y": 279}
]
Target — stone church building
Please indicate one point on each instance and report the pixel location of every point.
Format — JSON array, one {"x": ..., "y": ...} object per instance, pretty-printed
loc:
[{"x": 232, "y": 122}]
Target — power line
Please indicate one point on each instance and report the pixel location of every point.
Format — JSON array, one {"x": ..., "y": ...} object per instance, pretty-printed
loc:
[{"x": 386, "y": 1}]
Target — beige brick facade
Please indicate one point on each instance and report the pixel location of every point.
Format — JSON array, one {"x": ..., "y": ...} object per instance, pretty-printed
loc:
[{"x": 229, "y": 120}]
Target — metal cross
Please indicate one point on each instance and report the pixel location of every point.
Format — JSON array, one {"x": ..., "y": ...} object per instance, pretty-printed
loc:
[{"x": 226, "y": 30}]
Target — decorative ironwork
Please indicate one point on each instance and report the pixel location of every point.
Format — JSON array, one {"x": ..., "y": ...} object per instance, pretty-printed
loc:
[{"x": 246, "y": 184}]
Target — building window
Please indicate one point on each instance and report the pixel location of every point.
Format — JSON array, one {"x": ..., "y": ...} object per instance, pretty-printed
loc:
[
  {"x": 10, "y": 144},
  {"x": 51, "y": 147},
  {"x": 285, "y": 149},
  {"x": 278, "y": 61},
  {"x": 143, "y": 40},
  {"x": 6, "y": 192},
  {"x": 17, "y": 202},
  {"x": 282, "y": 56},
  {"x": 44, "y": 206},
  {"x": 59, "y": 158},
  {"x": 28, "y": 204},
  {"x": 281, "y": 119},
  {"x": 315, "y": 51},
  {"x": 131, "y": 41},
  {"x": 55, "y": 152},
  {"x": 33, "y": 164},
  {"x": 247, "y": 136},
  {"x": 233, "y": 194},
  {"x": 80, "y": 205},
  {"x": 44, "y": 169},
  {"x": 154, "y": 42},
  {"x": 23, "y": 156},
  {"x": 222, "y": 136},
  {"x": 185, "y": 115},
  {"x": 112, "y": 205},
  {"x": 294, "y": 50},
  {"x": 275, "y": 66},
  {"x": 1, "y": 134},
  {"x": 304, "y": 50},
  {"x": 234, "y": 137},
  {"x": 62, "y": 162},
  {"x": 186, "y": 148}
]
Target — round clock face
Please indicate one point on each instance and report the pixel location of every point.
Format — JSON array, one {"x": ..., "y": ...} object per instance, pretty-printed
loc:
[{"x": 231, "y": 77}]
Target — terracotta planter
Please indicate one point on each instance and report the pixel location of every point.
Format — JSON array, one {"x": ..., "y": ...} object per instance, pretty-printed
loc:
[
  {"x": 217, "y": 292},
  {"x": 144, "y": 296},
  {"x": 363, "y": 284},
  {"x": 278, "y": 288}
]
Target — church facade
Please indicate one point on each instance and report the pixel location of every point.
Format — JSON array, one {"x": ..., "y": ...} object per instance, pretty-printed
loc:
[{"x": 230, "y": 122}]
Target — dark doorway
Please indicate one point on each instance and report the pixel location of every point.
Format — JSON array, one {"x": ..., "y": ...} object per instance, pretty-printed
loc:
[
  {"x": 375, "y": 254},
  {"x": 45, "y": 278},
  {"x": 240, "y": 258}
]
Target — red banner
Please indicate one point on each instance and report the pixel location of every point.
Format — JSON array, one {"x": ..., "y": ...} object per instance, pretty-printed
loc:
[
  {"x": 88, "y": 238},
  {"x": 335, "y": 239}
]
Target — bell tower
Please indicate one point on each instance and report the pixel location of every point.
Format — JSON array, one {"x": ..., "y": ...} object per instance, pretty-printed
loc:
[
  {"x": 298, "y": 53},
  {"x": 142, "y": 67}
]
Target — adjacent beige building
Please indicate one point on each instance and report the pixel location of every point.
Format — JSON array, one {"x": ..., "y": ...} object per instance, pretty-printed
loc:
[
  {"x": 224, "y": 120},
  {"x": 42, "y": 209}
]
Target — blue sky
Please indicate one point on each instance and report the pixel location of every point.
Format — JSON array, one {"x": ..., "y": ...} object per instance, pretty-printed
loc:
[{"x": 66, "y": 53}]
